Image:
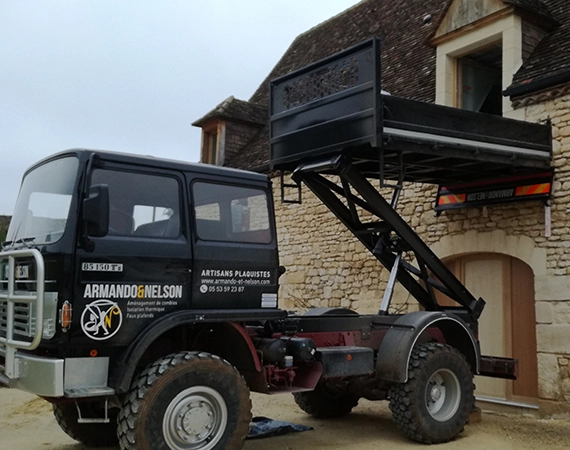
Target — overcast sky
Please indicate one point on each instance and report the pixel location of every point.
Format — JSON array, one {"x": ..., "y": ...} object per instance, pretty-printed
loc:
[{"x": 131, "y": 75}]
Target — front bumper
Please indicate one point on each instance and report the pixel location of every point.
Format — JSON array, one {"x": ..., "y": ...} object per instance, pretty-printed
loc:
[{"x": 35, "y": 374}]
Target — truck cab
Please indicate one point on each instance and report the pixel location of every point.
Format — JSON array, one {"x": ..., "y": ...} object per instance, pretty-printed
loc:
[{"x": 125, "y": 241}]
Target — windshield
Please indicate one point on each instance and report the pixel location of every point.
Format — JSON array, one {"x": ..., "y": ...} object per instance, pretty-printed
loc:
[{"x": 43, "y": 204}]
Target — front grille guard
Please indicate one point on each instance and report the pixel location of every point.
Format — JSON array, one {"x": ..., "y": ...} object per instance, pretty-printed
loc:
[{"x": 11, "y": 296}]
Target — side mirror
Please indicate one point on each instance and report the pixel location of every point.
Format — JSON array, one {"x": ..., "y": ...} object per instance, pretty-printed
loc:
[{"x": 96, "y": 211}]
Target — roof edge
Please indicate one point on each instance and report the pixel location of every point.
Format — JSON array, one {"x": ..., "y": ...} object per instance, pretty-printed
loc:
[
  {"x": 222, "y": 111},
  {"x": 216, "y": 112},
  {"x": 534, "y": 85}
]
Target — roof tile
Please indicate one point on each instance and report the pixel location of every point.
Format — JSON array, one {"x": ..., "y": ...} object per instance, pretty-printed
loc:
[
  {"x": 533, "y": 6},
  {"x": 552, "y": 55}
]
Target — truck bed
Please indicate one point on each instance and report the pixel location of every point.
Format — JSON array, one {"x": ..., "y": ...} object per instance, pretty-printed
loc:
[{"x": 337, "y": 106}]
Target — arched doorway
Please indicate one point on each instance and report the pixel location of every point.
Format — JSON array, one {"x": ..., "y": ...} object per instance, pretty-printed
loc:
[{"x": 508, "y": 325}]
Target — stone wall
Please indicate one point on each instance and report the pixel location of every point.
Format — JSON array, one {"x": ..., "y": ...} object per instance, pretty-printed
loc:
[
  {"x": 553, "y": 290},
  {"x": 327, "y": 266}
]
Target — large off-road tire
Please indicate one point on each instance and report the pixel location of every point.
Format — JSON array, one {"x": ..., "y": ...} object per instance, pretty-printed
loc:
[
  {"x": 326, "y": 402},
  {"x": 89, "y": 434},
  {"x": 433, "y": 406},
  {"x": 186, "y": 401}
]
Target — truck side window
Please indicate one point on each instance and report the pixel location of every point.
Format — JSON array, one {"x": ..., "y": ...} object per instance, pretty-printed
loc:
[
  {"x": 231, "y": 213},
  {"x": 141, "y": 204}
]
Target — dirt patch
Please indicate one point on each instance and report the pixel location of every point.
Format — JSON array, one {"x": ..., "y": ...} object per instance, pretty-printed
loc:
[
  {"x": 546, "y": 433},
  {"x": 31, "y": 408},
  {"x": 368, "y": 427}
]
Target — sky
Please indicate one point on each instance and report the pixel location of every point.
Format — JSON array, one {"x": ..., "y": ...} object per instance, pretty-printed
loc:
[{"x": 131, "y": 75}]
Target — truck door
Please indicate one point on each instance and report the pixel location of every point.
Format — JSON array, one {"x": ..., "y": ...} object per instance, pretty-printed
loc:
[
  {"x": 235, "y": 247},
  {"x": 141, "y": 270}
]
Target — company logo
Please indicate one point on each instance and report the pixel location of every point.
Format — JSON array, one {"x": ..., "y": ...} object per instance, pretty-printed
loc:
[
  {"x": 104, "y": 290},
  {"x": 101, "y": 319}
]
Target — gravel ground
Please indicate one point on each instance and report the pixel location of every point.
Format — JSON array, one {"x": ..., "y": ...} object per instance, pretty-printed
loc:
[{"x": 27, "y": 423}]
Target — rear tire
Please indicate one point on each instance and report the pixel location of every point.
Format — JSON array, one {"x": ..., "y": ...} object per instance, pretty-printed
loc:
[
  {"x": 89, "y": 434},
  {"x": 326, "y": 403},
  {"x": 433, "y": 406},
  {"x": 186, "y": 401}
]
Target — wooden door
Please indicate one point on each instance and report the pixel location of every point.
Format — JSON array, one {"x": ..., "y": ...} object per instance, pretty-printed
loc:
[
  {"x": 524, "y": 330},
  {"x": 483, "y": 276},
  {"x": 508, "y": 325}
]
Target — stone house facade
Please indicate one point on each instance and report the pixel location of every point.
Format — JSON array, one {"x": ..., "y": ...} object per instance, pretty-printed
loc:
[{"x": 508, "y": 57}]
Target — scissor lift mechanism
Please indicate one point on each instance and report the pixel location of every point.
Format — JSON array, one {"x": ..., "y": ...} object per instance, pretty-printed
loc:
[{"x": 331, "y": 120}]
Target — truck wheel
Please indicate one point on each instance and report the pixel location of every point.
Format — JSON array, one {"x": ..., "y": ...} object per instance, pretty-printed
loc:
[
  {"x": 325, "y": 403},
  {"x": 89, "y": 434},
  {"x": 186, "y": 401},
  {"x": 434, "y": 404}
]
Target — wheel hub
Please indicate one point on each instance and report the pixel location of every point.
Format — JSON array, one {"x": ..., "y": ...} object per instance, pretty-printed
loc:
[
  {"x": 437, "y": 392},
  {"x": 195, "y": 419},
  {"x": 443, "y": 395}
]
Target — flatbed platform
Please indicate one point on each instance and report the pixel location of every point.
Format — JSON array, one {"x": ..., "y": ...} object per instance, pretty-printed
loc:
[{"x": 336, "y": 106}]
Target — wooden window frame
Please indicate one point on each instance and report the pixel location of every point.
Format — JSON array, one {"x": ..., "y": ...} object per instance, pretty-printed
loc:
[{"x": 211, "y": 154}]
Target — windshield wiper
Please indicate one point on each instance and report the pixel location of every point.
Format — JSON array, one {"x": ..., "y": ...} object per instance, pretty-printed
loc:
[
  {"x": 25, "y": 241},
  {"x": 18, "y": 241}
]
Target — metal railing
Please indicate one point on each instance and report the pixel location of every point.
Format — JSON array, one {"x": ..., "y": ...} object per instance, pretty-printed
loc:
[{"x": 14, "y": 301}]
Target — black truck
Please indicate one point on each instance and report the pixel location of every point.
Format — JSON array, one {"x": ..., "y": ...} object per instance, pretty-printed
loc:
[{"x": 139, "y": 295}]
